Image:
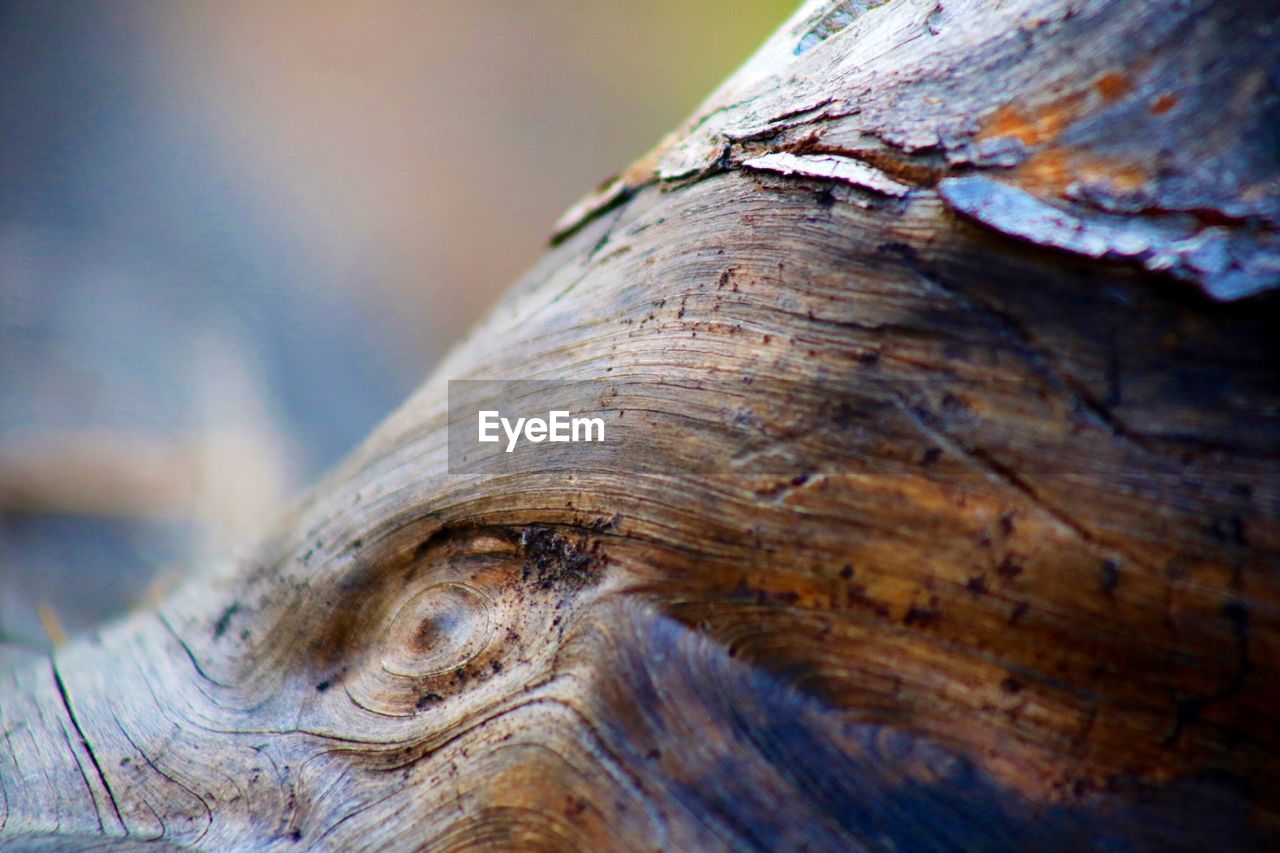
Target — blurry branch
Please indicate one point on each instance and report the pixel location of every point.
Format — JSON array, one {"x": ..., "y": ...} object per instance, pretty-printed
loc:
[{"x": 100, "y": 471}]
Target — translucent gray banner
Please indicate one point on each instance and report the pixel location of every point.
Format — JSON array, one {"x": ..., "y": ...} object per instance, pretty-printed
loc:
[{"x": 945, "y": 428}]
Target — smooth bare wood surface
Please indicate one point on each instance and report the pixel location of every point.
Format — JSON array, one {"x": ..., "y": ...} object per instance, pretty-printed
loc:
[{"x": 989, "y": 283}]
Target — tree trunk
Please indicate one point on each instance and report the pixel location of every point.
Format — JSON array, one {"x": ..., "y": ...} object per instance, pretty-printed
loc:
[{"x": 948, "y": 514}]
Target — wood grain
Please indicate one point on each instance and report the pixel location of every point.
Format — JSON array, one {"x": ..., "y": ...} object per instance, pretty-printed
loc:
[{"x": 1009, "y": 575}]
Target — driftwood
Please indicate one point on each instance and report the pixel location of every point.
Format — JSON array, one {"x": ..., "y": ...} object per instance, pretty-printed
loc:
[{"x": 987, "y": 283}]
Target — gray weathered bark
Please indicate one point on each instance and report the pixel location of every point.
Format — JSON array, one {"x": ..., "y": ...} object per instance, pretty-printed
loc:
[{"x": 1017, "y": 583}]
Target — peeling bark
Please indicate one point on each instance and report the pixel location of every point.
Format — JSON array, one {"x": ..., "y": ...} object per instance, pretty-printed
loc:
[{"x": 990, "y": 284}]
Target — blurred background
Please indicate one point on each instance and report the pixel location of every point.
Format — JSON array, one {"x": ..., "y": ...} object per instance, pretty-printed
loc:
[{"x": 235, "y": 234}]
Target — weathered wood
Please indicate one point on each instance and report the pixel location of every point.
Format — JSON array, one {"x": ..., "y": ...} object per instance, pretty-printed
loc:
[{"x": 989, "y": 283}]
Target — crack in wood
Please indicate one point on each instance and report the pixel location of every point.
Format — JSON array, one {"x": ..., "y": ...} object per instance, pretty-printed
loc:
[{"x": 84, "y": 742}]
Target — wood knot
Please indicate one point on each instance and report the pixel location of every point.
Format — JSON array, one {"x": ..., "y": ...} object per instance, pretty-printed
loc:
[{"x": 443, "y": 627}]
